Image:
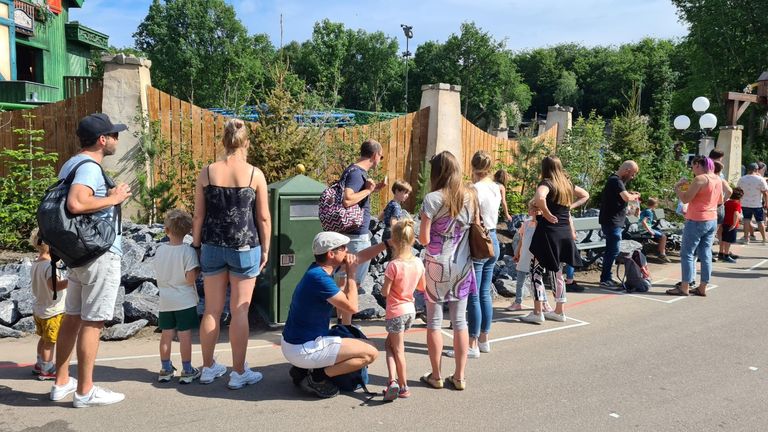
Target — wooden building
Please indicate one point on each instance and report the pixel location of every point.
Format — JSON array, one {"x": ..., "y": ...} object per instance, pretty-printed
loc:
[{"x": 43, "y": 57}]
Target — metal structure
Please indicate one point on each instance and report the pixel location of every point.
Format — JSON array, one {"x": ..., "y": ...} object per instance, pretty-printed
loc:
[{"x": 408, "y": 32}]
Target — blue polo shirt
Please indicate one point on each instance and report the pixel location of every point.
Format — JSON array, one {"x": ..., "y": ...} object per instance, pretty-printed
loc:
[{"x": 310, "y": 312}]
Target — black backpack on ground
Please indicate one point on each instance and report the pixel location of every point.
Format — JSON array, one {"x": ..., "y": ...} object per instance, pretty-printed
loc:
[
  {"x": 636, "y": 275},
  {"x": 76, "y": 239},
  {"x": 356, "y": 379}
]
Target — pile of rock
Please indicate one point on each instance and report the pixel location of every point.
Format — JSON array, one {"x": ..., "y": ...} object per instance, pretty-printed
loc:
[{"x": 137, "y": 302}]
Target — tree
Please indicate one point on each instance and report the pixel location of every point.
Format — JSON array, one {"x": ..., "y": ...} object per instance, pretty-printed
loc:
[
  {"x": 473, "y": 59},
  {"x": 373, "y": 72},
  {"x": 567, "y": 91},
  {"x": 328, "y": 48},
  {"x": 202, "y": 53},
  {"x": 584, "y": 152}
]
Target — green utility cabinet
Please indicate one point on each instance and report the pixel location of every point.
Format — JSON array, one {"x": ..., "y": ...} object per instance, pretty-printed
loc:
[{"x": 293, "y": 204}]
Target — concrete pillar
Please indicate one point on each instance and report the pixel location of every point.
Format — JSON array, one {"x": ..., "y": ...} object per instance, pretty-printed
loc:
[
  {"x": 125, "y": 101},
  {"x": 561, "y": 116},
  {"x": 444, "y": 118},
  {"x": 502, "y": 131},
  {"x": 729, "y": 142}
]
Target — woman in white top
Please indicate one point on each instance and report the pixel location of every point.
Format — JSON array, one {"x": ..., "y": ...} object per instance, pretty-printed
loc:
[{"x": 480, "y": 305}]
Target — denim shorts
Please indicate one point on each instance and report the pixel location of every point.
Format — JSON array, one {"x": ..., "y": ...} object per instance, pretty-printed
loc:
[
  {"x": 243, "y": 263},
  {"x": 757, "y": 212}
]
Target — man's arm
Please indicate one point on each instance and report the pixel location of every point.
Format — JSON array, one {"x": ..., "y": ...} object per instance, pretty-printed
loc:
[
  {"x": 351, "y": 197},
  {"x": 628, "y": 196},
  {"x": 81, "y": 198}
]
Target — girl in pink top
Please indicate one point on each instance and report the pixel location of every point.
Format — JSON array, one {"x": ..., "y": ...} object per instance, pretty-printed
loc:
[{"x": 404, "y": 274}]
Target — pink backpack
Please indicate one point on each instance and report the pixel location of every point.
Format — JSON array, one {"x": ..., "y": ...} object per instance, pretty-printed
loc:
[{"x": 333, "y": 215}]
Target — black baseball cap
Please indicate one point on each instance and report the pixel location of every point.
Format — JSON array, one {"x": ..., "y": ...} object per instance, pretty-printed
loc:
[{"x": 95, "y": 125}]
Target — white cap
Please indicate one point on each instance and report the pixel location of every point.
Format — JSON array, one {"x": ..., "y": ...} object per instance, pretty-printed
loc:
[{"x": 328, "y": 240}]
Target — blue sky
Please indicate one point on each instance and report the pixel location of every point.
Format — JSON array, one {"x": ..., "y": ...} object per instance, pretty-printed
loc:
[{"x": 522, "y": 23}]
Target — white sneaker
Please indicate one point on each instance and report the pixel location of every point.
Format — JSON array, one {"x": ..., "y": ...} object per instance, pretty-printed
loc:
[
  {"x": 60, "y": 392},
  {"x": 611, "y": 285},
  {"x": 238, "y": 381},
  {"x": 485, "y": 347},
  {"x": 211, "y": 373},
  {"x": 97, "y": 397},
  {"x": 472, "y": 353},
  {"x": 554, "y": 316},
  {"x": 533, "y": 318}
]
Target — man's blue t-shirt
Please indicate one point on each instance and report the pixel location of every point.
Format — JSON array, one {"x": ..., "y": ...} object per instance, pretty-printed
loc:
[
  {"x": 310, "y": 312},
  {"x": 356, "y": 178},
  {"x": 90, "y": 175}
]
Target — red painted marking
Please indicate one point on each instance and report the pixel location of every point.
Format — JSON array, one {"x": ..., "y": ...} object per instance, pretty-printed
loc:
[
  {"x": 590, "y": 300},
  {"x": 8, "y": 365}
]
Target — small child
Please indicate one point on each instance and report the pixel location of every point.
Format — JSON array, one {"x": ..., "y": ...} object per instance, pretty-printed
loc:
[
  {"x": 46, "y": 312},
  {"x": 730, "y": 225},
  {"x": 646, "y": 220},
  {"x": 523, "y": 259},
  {"x": 404, "y": 275},
  {"x": 502, "y": 178},
  {"x": 400, "y": 189},
  {"x": 177, "y": 266}
]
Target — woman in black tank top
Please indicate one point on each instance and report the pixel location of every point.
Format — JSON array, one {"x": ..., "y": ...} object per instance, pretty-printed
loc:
[{"x": 231, "y": 228}]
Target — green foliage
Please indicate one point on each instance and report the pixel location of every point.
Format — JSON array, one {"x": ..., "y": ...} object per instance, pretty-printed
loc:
[
  {"x": 423, "y": 185},
  {"x": 525, "y": 169},
  {"x": 584, "y": 152},
  {"x": 30, "y": 171},
  {"x": 278, "y": 143},
  {"x": 473, "y": 59},
  {"x": 202, "y": 53}
]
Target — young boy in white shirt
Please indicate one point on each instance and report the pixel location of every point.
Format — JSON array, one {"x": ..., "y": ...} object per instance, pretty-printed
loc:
[{"x": 176, "y": 267}]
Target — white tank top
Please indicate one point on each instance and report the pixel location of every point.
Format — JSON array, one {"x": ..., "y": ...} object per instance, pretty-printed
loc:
[{"x": 489, "y": 196}]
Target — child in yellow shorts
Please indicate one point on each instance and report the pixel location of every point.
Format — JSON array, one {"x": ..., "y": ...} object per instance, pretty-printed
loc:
[{"x": 47, "y": 312}]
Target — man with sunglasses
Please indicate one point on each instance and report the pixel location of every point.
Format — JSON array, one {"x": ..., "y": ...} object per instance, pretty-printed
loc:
[
  {"x": 314, "y": 354},
  {"x": 92, "y": 288},
  {"x": 357, "y": 190}
]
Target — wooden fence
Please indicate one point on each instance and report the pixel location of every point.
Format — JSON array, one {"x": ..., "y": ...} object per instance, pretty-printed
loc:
[
  {"x": 59, "y": 120},
  {"x": 500, "y": 149},
  {"x": 198, "y": 130}
]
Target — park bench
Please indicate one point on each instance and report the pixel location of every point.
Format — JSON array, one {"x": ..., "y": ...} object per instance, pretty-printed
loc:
[{"x": 589, "y": 239}]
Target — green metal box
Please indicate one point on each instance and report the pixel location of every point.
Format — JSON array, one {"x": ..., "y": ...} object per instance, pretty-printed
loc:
[{"x": 293, "y": 204}]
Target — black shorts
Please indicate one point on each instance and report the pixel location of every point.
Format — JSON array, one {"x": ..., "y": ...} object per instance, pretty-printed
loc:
[{"x": 729, "y": 234}]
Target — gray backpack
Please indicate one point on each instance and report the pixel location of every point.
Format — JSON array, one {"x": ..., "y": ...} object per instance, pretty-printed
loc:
[{"x": 636, "y": 275}]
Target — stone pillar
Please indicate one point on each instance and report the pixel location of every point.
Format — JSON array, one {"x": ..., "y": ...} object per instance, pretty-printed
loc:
[
  {"x": 125, "y": 101},
  {"x": 729, "y": 142},
  {"x": 444, "y": 118},
  {"x": 502, "y": 131},
  {"x": 561, "y": 116}
]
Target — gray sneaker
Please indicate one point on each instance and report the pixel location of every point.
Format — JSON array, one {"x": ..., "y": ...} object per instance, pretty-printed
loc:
[
  {"x": 533, "y": 318},
  {"x": 610, "y": 285},
  {"x": 188, "y": 377},
  {"x": 165, "y": 375}
]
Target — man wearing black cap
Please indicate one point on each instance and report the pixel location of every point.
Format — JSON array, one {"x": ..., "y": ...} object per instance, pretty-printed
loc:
[{"x": 92, "y": 288}]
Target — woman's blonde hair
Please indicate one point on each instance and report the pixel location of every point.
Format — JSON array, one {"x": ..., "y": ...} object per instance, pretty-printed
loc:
[
  {"x": 481, "y": 163},
  {"x": 235, "y": 135},
  {"x": 445, "y": 176},
  {"x": 552, "y": 170},
  {"x": 403, "y": 236}
]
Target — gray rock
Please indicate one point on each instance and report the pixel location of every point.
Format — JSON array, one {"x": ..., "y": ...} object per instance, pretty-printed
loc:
[
  {"x": 123, "y": 331},
  {"x": 9, "y": 332},
  {"x": 368, "y": 308},
  {"x": 25, "y": 300},
  {"x": 8, "y": 313},
  {"x": 133, "y": 254},
  {"x": 367, "y": 285},
  {"x": 24, "y": 273},
  {"x": 142, "y": 237},
  {"x": 505, "y": 287},
  {"x": 8, "y": 283},
  {"x": 139, "y": 273},
  {"x": 148, "y": 288},
  {"x": 26, "y": 325},
  {"x": 118, "y": 316},
  {"x": 141, "y": 306}
]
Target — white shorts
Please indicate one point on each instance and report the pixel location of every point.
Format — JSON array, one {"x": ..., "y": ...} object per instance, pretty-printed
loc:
[
  {"x": 315, "y": 354},
  {"x": 92, "y": 289}
]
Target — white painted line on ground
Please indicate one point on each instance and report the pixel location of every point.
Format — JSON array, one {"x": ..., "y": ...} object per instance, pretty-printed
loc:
[
  {"x": 579, "y": 323},
  {"x": 758, "y": 264}
]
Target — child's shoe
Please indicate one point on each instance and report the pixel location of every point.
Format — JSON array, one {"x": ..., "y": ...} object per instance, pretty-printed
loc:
[
  {"x": 47, "y": 374},
  {"x": 188, "y": 377},
  {"x": 515, "y": 307},
  {"x": 404, "y": 393},
  {"x": 36, "y": 369},
  {"x": 165, "y": 375},
  {"x": 392, "y": 391}
]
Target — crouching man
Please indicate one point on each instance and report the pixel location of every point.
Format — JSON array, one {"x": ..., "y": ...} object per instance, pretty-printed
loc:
[{"x": 306, "y": 343}]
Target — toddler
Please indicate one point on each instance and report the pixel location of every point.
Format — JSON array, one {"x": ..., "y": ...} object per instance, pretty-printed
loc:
[
  {"x": 47, "y": 312},
  {"x": 404, "y": 274},
  {"x": 646, "y": 220},
  {"x": 730, "y": 225},
  {"x": 176, "y": 267}
]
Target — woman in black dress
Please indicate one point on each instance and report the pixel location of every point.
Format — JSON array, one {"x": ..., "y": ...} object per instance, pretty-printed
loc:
[{"x": 553, "y": 241}]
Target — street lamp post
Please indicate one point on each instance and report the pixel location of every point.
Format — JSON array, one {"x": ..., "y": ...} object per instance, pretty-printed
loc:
[
  {"x": 707, "y": 122},
  {"x": 408, "y": 32}
]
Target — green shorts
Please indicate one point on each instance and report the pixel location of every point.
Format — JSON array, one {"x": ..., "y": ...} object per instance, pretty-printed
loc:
[{"x": 185, "y": 319}]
